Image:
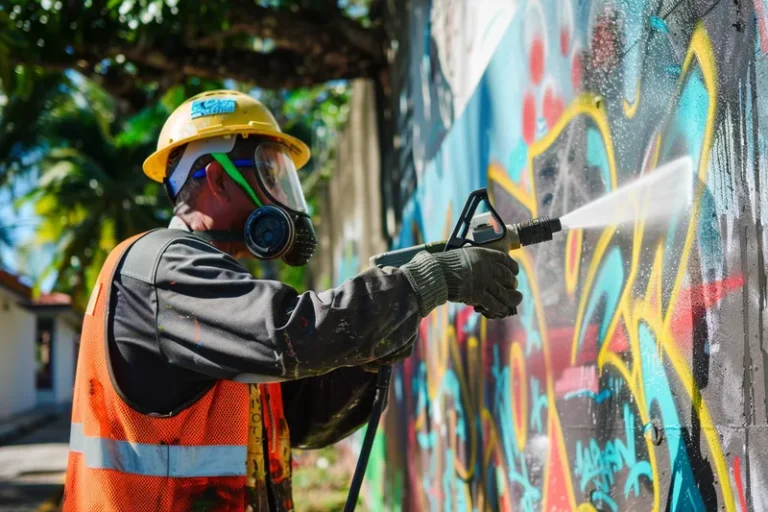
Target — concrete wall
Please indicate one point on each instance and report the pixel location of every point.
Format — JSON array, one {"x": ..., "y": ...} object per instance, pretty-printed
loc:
[
  {"x": 64, "y": 361},
  {"x": 349, "y": 223},
  {"x": 17, "y": 357},
  {"x": 634, "y": 375}
]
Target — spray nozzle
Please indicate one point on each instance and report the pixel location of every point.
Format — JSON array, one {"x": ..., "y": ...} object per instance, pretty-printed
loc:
[{"x": 537, "y": 230}]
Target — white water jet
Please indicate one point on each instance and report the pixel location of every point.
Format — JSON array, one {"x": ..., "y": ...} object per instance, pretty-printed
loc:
[{"x": 656, "y": 195}]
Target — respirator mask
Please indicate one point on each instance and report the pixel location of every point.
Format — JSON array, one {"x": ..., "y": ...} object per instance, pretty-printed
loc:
[{"x": 279, "y": 230}]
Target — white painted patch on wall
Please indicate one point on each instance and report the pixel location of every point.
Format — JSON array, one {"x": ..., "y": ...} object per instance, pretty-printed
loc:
[{"x": 466, "y": 35}]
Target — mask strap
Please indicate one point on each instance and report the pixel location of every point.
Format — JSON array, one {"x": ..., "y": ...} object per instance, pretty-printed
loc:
[
  {"x": 236, "y": 176},
  {"x": 223, "y": 235}
]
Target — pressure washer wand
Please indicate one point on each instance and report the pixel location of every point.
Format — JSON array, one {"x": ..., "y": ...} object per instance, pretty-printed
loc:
[
  {"x": 382, "y": 388},
  {"x": 486, "y": 230},
  {"x": 484, "y": 234}
]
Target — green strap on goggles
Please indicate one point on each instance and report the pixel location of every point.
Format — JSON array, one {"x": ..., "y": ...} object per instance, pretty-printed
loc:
[{"x": 236, "y": 176}]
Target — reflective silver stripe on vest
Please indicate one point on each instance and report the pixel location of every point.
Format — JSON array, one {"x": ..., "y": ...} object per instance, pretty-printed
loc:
[{"x": 156, "y": 459}]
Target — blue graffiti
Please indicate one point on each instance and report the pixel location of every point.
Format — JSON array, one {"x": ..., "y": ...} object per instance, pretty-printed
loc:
[
  {"x": 428, "y": 477},
  {"x": 604, "y": 497},
  {"x": 451, "y": 385},
  {"x": 527, "y": 312},
  {"x": 687, "y": 128},
  {"x": 489, "y": 130},
  {"x": 398, "y": 387},
  {"x": 690, "y": 118},
  {"x": 349, "y": 263},
  {"x": 538, "y": 402},
  {"x": 608, "y": 285},
  {"x": 604, "y": 395},
  {"x": 420, "y": 394},
  {"x": 453, "y": 487},
  {"x": 597, "y": 156},
  {"x": 472, "y": 322},
  {"x": 659, "y": 25},
  {"x": 635, "y": 31},
  {"x": 518, "y": 469},
  {"x": 673, "y": 71},
  {"x": 614, "y": 384},
  {"x": 658, "y": 396},
  {"x": 600, "y": 466},
  {"x": 517, "y": 161}
]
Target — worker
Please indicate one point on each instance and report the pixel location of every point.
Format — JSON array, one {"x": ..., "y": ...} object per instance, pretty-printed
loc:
[{"x": 180, "y": 341}]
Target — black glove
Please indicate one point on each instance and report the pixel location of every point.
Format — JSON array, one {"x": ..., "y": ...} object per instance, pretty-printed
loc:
[{"x": 482, "y": 278}]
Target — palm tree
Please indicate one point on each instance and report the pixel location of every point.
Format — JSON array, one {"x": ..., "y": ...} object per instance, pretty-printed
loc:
[
  {"x": 91, "y": 192},
  {"x": 26, "y": 94}
]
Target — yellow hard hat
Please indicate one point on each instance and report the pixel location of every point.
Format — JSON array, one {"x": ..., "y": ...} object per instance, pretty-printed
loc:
[{"x": 217, "y": 113}]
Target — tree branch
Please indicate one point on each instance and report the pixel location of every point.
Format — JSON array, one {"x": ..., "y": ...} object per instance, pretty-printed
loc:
[
  {"x": 275, "y": 70},
  {"x": 303, "y": 32},
  {"x": 315, "y": 44}
]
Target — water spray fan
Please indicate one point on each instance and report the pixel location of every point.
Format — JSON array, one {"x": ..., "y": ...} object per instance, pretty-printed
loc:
[{"x": 486, "y": 230}]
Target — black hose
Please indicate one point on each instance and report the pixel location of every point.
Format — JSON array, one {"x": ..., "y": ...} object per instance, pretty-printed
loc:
[{"x": 382, "y": 387}]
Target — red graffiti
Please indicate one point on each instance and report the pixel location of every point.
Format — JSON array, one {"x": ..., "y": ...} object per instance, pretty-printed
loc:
[
  {"x": 577, "y": 378},
  {"x": 529, "y": 118},
  {"x": 693, "y": 303},
  {"x": 606, "y": 42},
  {"x": 762, "y": 25},
  {"x": 557, "y": 485},
  {"x": 619, "y": 341},
  {"x": 536, "y": 63},
  {"x": 517, "y": 378},
  {"x": 576, "y": 71},
  {"x": 553, "y": 108},
  {"x": 573, "y": 251},
  {"x": 739, "y": 485},
  {"x": 462, "y": 327},
  {"x": 565, "y": 40}
]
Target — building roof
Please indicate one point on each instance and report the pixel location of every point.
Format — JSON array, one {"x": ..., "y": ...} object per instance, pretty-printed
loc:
[
  {"x": 53, "y": 299},
  {"x": 13, "y": 284}
]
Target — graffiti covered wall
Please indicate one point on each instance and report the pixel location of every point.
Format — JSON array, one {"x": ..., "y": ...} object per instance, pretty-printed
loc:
[{"x": 633, "y": 375}]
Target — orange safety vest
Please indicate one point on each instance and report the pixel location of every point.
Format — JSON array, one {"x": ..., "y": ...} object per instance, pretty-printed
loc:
[{"x": 123, "y": 460}]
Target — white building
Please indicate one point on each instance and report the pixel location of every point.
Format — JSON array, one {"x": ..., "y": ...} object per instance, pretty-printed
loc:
[{"x": 38, "y": 348}]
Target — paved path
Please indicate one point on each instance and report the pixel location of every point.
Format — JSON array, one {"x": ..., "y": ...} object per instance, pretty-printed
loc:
[{"x": 32, "y": 468}]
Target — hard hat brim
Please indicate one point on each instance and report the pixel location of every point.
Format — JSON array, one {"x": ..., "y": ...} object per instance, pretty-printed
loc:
[{"x": 155, "y": 165}]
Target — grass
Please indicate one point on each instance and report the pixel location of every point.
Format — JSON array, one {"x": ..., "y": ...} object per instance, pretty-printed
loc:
[{"x": 321, "y": 481}]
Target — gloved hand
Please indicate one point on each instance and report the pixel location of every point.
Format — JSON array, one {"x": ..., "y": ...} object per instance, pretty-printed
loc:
[{"x": 483, "y": 278}]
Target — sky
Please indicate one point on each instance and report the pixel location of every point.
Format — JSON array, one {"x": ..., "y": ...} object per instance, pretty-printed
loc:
[{"x": 22, "y": 223}]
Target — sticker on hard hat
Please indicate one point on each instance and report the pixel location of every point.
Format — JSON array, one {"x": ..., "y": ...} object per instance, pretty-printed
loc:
[{"x": 212, "y": 107}]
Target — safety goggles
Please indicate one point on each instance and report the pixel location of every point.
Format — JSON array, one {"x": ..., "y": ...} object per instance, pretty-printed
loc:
[{"x": 271, "y": 164}]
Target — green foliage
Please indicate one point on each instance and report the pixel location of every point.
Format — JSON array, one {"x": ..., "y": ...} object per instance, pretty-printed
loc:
[
  {"x": 116, "y": 40},
  {"x": 322, "y": 486},
  {"x": 85, "y": 133},
  {"x": 91, "y": 192}
]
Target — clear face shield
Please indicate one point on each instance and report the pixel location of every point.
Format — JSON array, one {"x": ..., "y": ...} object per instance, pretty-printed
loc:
[
  {"x": 277, "y": 176},
  {"x": 282, "y": 229}
]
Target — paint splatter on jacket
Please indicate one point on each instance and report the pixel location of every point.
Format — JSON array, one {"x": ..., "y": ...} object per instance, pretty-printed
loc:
[{"x": 205, "y": 317}]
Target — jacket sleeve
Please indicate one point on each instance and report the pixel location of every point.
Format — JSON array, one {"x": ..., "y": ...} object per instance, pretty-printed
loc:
[
  {"x": 325, "y": 409},
  {"x": 215, "y": 318}
]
